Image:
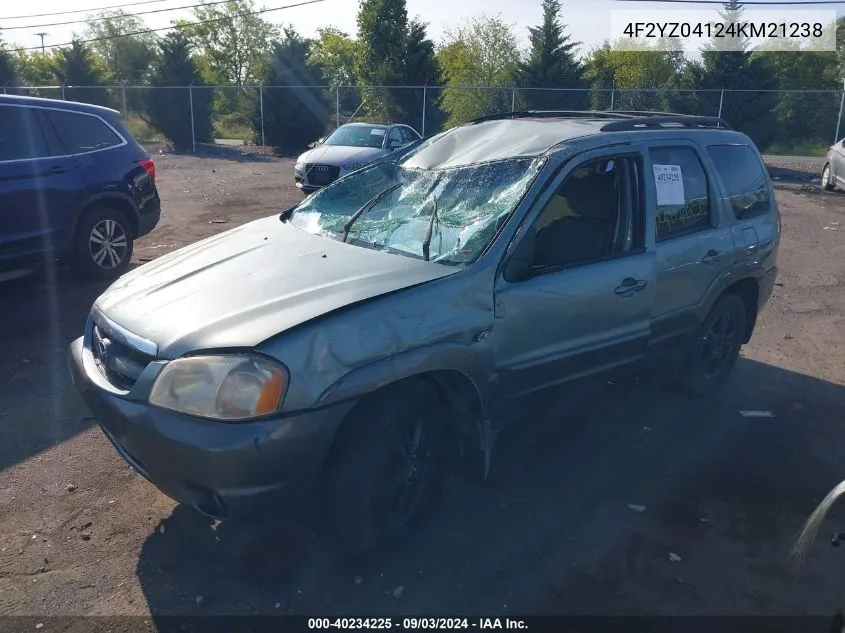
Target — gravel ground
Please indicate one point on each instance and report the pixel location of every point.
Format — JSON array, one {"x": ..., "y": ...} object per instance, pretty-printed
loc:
[{"x": 613, "y": 497}]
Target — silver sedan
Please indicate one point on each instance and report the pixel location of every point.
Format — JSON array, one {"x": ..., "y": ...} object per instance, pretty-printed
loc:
[{"x": 348, "y": 148}]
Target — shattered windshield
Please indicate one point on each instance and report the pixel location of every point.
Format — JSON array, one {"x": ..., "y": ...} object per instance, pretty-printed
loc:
[{"x": 471, "y": 202}]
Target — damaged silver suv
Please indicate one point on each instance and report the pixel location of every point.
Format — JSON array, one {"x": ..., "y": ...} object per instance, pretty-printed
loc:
[{"x": 344, "y": 351}]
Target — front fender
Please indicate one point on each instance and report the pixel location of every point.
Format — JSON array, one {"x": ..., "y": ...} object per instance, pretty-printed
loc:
[{"x": 441, "y": 357}]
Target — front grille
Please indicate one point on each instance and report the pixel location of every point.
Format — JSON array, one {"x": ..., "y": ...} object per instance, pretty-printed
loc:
[
  {"x": 321, "y": 174},
  {"x": 120, "y": 363}
]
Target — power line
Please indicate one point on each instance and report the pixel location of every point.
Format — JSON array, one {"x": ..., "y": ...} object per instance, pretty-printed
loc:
[
  {"x": 55, "y": 13},
  {"x": 86, "y": 20},
  {"x": 167, "y": 28}
]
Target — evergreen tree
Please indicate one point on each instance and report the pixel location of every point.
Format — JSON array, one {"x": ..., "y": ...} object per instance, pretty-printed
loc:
[
  {"x": 77, "y": 66},
  {"x": 551, "y": 63},
  {"x": 8, "y": 72},
  {"x": 382, "y": 35},
  {"x": 421, "y": 68},
  {"x": 169, "y": 109},
  {"x": 296, "y": 112},
  {"x": 720, "y": 68}
]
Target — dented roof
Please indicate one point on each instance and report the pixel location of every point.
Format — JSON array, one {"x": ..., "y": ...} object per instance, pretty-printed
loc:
[{"x": 498, "y": 140}]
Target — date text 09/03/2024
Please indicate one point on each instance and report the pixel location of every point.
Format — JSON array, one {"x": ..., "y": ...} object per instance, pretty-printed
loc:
[{"x": 416, "y": 624}]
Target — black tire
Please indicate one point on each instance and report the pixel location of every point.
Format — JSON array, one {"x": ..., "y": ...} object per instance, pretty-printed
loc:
[
  {"x": 827, "y": 181},
  {"x": 370, "y": 472},
  {"x": 114, "y": 229},
  {"x": 712, "y": 354}
]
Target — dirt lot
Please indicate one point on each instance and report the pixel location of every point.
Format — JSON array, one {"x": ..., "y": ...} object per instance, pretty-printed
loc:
[{"x": 552, "y": 532}]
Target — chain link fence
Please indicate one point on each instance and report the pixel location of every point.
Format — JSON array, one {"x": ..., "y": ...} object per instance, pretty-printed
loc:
[{"x": 807, "y": 120}]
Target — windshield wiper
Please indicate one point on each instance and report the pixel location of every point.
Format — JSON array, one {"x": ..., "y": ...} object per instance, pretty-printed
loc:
[
  {"x": 429, "y": 232},
  {"x": 366, "y": 207}
]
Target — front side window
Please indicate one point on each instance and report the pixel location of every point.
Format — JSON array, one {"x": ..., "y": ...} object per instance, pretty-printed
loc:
[
  {"x": 395, "y": 138},
  {"x": 82, "y": 133},
  {"x": 591, "y": 216},
  {"x": 357, "y": 136},
  {"x": 409, "y": 135},
  {"x": 21, "y": 137},
  {"x": 683, "y": 203},
  {"x": 464, "y": 206},
  {"x": 744, "y": 178}
]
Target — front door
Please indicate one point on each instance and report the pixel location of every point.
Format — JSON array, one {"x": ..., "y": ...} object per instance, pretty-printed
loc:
[{"x": 583, "y": 301}]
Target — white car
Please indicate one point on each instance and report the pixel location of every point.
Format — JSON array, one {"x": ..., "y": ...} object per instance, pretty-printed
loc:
[{"x": 348, "y": 148}]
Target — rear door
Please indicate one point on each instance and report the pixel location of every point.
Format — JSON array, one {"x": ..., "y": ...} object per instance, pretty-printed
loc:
[
  {"x": 750, "y": 202},
  {"x": 40, "y": 185},
  {"x": 692, "y": 238}
]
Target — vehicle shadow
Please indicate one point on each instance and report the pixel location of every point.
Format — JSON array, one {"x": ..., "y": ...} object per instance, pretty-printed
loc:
[
  {"x": 611, "y": 496},
  {"x": 41, "y": 314}
]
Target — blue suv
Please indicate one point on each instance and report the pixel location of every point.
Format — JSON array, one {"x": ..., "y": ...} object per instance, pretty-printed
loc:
[{"x": 74, "y": 184}]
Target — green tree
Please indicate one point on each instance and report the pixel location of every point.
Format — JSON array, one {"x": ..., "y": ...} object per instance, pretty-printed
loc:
[
  {"x": 335, "y": 54},
  {"x": 127, "y": 54},
  {"x": 233, "y": 39},
  {"x": 551, "y": 63},
  {"x": 382, "y": 36},
  {"x": 8, "y": 71},
  {"x": 478, "y": 60},
  {"x": 805, "y": 114},
  {"x": 746, "y": 79},
  {"x": 295, "y": 111},
  {"x": 641, "y": 77},
  {"x": 82, "y": 73},
  {"x": 36, "y": 68},
  {"x": 169, "y": 109},
  {"x": 421, "y": 69}
]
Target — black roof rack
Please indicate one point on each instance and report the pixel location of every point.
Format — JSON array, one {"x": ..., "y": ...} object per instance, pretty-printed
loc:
[
  {"x": 571, "y": 114},
  {"x": 663, "y": 121}
]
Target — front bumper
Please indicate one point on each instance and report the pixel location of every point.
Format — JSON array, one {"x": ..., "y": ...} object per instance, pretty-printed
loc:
[{"x": 224, "y": 470}]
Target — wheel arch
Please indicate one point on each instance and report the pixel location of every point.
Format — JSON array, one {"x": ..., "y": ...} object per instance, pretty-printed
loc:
[{"x": 113, "y": 200}]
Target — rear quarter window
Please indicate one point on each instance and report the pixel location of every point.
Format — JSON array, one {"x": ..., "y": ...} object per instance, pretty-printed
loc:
[
  {"x": 744, "y": 178},
  {"x": 82, "y": 133}
]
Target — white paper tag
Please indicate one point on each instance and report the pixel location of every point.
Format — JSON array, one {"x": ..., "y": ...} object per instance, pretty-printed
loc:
[
  {"x": 669, "y": 182},
  {"x": 377, "y": 132}
]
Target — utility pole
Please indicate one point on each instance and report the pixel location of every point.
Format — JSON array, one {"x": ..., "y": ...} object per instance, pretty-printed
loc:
[{"x": 41, "y": 35}]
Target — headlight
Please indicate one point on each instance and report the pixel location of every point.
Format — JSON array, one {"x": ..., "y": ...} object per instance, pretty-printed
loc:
[
  {"x": 353, "y": 166},
  {"x": 237, "y": 387},
  {"x": 299, "y": 166}
]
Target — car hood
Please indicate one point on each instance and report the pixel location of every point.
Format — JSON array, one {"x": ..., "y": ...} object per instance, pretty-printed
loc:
[
  {"x": 248, "y": 284},
  {"x": 340, "y": 154}
]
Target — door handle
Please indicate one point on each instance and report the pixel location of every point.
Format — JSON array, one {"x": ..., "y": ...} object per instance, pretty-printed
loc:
[
  {"x": 629, "y": 286},
  {"x": 712, "y": 257},
  {"x": 56, "y": 169}
]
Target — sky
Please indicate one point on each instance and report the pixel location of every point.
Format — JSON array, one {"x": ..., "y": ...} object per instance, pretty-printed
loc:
[{"x": 589, "y": 21}]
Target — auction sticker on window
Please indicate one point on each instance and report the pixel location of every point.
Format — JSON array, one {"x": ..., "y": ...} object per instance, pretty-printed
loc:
[
  {"x": 669, "y": 183},
  {"x": 377, "y": 132}
]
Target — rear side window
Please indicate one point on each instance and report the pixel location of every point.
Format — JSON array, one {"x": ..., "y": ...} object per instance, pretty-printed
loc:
[
  {"x": 683, "y": 204},
  {"x": 82, "y": 132},
  {"x": 744, "y": 178},
  {"x": 21, "y": 137}
]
